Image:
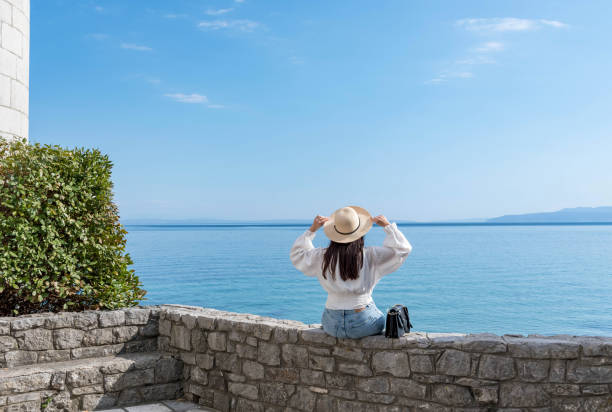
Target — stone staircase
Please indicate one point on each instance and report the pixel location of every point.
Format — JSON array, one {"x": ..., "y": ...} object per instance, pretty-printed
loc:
[{"x": 84, "y": 361}]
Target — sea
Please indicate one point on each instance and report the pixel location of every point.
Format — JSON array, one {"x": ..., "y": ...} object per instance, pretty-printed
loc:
[{"x": 499, "y": 278}]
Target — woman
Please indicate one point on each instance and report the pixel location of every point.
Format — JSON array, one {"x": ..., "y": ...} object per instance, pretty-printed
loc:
[{"x": 348, "y": 271}]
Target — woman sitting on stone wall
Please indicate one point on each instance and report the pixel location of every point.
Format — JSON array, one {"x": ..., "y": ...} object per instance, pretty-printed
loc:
[{"x": 348, "y": 271}]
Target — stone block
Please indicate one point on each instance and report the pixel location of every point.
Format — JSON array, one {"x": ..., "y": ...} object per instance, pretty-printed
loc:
[
  {"x": 453, "y": 395},
  {"x": 53, "y": 356},
  {"x": 276, "y": 393},
  {"x": 484, "y": 343},
  {"x": 7, "y": 343},
  {"x": 597, "y": 347},
  {"x": 454, "y": 362},
  {"x": 538, "y": 348},
  {"x": 408, "y": 388},
  {"x": 376, "y": 398},
  {"x": 135, "y": 316},
  {"x": 268, "y": 353},
  {"x": 27, "y": 383},
  {"x": 578, "y": 372},
  {"x": 199, "y": 376},
  {"x": 309, "y": 377},
  {"x": 217, "y": 341},
  {"x": 227, "y": 362},
  {"x": 245, "y": 390},
  {"x": 246, "y": 351},
  {"x": 84, "y": 377},
  {"x": 198, "y": 340},
  {"x": 317, "y": 336},
  {"x": 85, "y": 320},
  {"x": 562, "y": 389},
  {"x": 98, "y": 337},
  {"x": 85, "y": 390},
  {"x": 12, "y": 39},
  {"x": 98, "y": 401},
  {"x": 375, "y": 342},
  {"x": 321, "y": 363},
  {"x": 165, "y": 326},
  {"x": 333, "y": 380},
  {"x": 532, "y": 370},
  {"x": 168, "y": 370},
  {"x": 188, "y": 358},
  {"x": 180, "y": 337},
  {"x": 486, "y": 395},
  {"x": 395, "y": 363},
  {"x": 111, "y": 318},
  {"x": 294, "y": 355},
  {"x": 20, "y": 357},
  {"x": 245, "y": 405},
  {"x": 60, "y": 320},
  {"x": 252, "y": 370},
  {"x": 67, "y": 338},
  {"x": 352, "y": 354},
  {"x": 151, "y": 329},
  {"x": 421, "y": 364},
  {"x": 356, "y": 369},
  {"x": 205, "y": 361},
  {"x": 603, "y": 403},
  {"x": 130, "y": 379},
  {"x": 595, "y": 390},
  {"x": 124, "y": 333},
  {"x": 34, "y": 339},
  {"x": 379, "y": 384},
  {"x": 496, "y": 367},
  {"x": 523, "y": 395},
  {"x": 285, "y": 375},
  {"x": 303, "y": 399},
  {"x": 557, "y": 371}
]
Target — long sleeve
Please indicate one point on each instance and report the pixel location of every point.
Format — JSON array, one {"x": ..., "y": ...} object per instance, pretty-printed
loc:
[
  {"x": 304, "y": 256},
  {"x": 392, "y": 254}
]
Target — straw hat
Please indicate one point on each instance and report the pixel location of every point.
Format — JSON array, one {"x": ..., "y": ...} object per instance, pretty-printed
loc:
[{"x": 348, "y": 224}]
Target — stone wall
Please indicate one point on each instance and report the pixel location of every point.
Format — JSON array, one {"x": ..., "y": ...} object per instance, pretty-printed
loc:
[
  {"x": 250, "y": 363},
  {"x": 230, "y": 361},
  {"x": 55, "y": 337},
  {"x": 14, "y": 67}
]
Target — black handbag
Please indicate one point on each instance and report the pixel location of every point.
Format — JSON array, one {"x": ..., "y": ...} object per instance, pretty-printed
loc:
[{"x": 398, "y": 322}]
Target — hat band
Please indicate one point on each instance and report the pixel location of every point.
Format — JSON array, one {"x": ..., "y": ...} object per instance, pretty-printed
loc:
[{"x": 348, "y": 233}]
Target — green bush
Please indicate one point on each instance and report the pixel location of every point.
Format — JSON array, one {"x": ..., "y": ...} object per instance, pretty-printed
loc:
[{"x": 62, "y": 246}]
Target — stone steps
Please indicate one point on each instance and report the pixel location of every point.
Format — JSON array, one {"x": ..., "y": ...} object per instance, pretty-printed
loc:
[{"x": 89, "y": 384}]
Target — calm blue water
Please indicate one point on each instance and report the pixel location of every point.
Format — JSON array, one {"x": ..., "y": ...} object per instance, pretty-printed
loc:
[{"x": 500, "y": 279}]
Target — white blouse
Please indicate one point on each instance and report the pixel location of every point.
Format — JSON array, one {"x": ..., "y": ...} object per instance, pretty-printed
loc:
[{"x": 378, "y": 261}]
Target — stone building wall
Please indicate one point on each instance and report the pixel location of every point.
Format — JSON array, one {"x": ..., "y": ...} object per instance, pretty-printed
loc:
[
  {"x": 14, "y": 67},
  {"x": 250, "y": 363}
]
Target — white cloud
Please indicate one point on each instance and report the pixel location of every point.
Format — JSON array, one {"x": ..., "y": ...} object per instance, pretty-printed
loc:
[
  {"x": 502, "y": 24},
  {"x": 99, "y": 9},
  {"x": 218, "y": 12},
  {"x": 241, "y": 25},
  {"x": 132, "y": 46},
  {"x": 187, "y": 98},
  {"x": 476, "y": 60},
  {"x": 490, "y": 46},
  {"x": 174, "y": 16},
  {"x": 216, "y": 106},
  {"x": 444, "y": 77},
  {"x": 239, "y": 1}
]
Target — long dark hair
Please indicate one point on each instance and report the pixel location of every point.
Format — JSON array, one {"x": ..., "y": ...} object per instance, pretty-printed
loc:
[{"x": 348, "y": 255}]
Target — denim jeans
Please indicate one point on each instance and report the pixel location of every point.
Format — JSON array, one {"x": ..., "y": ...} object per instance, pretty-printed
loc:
[{"x": 351, "y": 324}]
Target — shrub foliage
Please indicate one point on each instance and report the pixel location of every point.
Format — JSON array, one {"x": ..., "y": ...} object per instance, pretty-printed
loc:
[{"x": 62, "y": 246}]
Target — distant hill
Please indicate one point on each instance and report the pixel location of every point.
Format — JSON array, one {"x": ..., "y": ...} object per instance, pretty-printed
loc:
[{"x": 576, "y": 214}]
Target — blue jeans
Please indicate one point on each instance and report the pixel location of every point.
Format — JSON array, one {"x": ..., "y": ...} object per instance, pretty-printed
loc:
[{"x": 351, "y": 324}]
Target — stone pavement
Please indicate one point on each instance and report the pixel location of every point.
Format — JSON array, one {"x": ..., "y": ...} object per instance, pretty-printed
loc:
[{"x": 163, "y": 406}]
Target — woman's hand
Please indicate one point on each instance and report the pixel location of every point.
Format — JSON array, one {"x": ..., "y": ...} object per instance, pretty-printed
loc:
[
  {"x": 318, "y": 222},
  {"x": 380, "y": 220}
]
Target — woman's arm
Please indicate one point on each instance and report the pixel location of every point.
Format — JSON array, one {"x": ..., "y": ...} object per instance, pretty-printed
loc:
[
  {"x": 394, "y": 251},
  {"x": 304, "y": 256}
]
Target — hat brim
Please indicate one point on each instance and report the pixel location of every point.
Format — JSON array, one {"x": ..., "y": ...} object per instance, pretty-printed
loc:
[{"x": 365, "y": 224}]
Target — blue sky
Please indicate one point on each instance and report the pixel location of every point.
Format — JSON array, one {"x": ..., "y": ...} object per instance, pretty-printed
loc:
[{"x": 284, "y": 109}]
